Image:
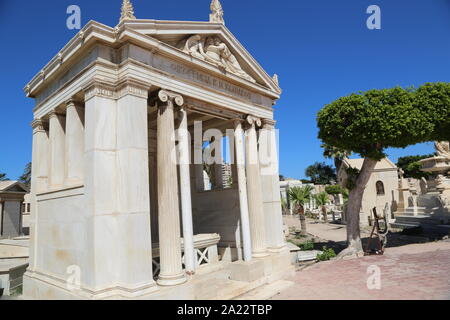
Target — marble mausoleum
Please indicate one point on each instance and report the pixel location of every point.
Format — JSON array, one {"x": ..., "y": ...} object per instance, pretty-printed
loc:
[{"x": 115, "y": 212}]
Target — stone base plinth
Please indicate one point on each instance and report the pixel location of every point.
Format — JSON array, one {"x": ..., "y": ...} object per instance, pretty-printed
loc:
[
  {"x": 223, "y": 280},
  {"x": 37, "y": 286},
  {"x": 247, "y": 271}
]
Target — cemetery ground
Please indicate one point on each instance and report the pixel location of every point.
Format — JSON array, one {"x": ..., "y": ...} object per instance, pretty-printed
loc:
[{"x": 414, "y": 267}]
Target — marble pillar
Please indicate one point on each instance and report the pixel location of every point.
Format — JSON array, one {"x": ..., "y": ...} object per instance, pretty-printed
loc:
[
  {"x": 185, "y": 192},
  {"x": 1, "y": 218},
  {"x": 39, "y": 180},
  {"x": 74, "y": 143},
  {"x": 57, "y": 150},
  {"x": 133, "y": 188},
  {"x": 40, "y": 157},
  {"x": 117, "y": 191},
  {"x": 254, "y": 189},
  {"x": 242, "y": 187},
  {"x": 168, "y": 207},
  {"x": 270, "y": 179}
]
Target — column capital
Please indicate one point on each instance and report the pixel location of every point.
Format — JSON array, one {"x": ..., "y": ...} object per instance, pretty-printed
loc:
[
  {"x": 38, "y": 125},
  {"x": 53, "y": 113},
  {"x": 97, "y": 88},
  {"x": 253, "y": 121},
  {"x": 72, "y": 102},
  {"x": 132, "y": 87},
  {"x": 268, "y": 123},
  {"x": 166, "y": 96}
]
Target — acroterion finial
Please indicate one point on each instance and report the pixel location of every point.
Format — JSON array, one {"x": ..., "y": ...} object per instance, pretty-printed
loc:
[
  {"x": 275, "y": 79},
  {"x": 127, "y": 11},
  {"x": 216, "y": 15}
]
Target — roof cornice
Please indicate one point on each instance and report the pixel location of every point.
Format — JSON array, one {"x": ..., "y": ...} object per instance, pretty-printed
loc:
[{"x": 128, "y": 30}]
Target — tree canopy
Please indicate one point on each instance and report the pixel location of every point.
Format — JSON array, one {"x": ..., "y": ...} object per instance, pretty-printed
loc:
[
  {"x": 25, "y": 178},
  {"x": 322, "y": 199},
  {"x": 334, "y": 190},
  {"x": 411, "y": 166},
  {"x": 434, "y": 100},
  {"x": 369, "y": 122},
  {"x": 300, "y": 195},
  {"x": 321, "y": 173},
  {"x": 3, "y": 177}
]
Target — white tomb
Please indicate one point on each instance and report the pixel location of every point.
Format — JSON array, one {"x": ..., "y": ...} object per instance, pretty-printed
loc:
[{"x": 113, "y": 213}]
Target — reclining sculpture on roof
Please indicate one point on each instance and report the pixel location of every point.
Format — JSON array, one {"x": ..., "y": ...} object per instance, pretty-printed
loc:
[
  {"x": 214, "y": 51},
  {"x": 443, "y": 149}
]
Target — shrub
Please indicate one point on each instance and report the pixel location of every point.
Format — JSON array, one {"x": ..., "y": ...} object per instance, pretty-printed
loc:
[
  {"x": 326, "y": 255},
  {"x": 308, "y": 245}
]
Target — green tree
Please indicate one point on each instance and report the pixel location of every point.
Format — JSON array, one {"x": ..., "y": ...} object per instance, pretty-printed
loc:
[
  {"x": 368, "y": 123},
  {"x": 321, "y": 173},
  {"x": 411, "y": 166},
  {"x": 334, "y": 190},
  {"x": 299, "y": 196},
  {"x": 3, "y": 177},
  {"x": 323, "y": 200},
  {"x": 25, "y": 178},
  {"x": 336, "y": 154},
  {"x": 434, "y": 100}
]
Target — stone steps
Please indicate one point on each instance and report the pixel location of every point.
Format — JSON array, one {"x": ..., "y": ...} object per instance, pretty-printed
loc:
[{"x": 267, "y": 291}]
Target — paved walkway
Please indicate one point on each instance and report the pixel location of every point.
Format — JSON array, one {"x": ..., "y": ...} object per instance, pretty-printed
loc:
[
  {"x": 332, "y": 232},
  {"x": 416, "y": 272}
]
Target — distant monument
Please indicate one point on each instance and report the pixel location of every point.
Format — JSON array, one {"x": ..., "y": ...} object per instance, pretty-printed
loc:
[{"x": 432, "y": 206}]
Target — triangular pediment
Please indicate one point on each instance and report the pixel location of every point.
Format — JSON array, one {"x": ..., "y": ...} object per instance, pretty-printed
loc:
[
  {"x": 12, "y": 186},
  {"x": 212, "y": 43}
]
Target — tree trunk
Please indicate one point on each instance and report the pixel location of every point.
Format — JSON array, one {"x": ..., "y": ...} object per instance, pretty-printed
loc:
[
  {"x": 325, "y": 214},
  {"x": 354, "y": 207},
  {"x": 302, "y": 217}
]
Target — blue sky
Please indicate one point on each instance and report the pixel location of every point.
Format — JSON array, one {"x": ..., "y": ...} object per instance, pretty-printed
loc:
[{"x": 321, "y": 50}]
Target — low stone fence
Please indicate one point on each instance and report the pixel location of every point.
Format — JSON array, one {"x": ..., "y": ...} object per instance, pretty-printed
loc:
[{"x": 205, "y": 246}]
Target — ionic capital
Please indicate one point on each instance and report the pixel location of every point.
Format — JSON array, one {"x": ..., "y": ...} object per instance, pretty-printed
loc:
[
  {"x": 166, "y": 96},
  {"x": 54, "y": 114},
  {"x": 253, "y": 121},
  {"x": 269, "y": 124},
  {"x": 72, "y": 103},
  {"x": 38, "y": 125}
]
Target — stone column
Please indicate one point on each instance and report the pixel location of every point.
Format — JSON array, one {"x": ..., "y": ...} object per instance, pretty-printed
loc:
[
  {"x": 255, "y": 204},
  {"x": 185, "y": 191},
  {"x": 39, "y": 181},
  {"x": 117, "y": 221},
  {"x": 40, "y": 158},
  {"x": 57, "y": 150},
  {"x": 1, "y": 219},
  {"x": 74, "y": 143},
  {"x": 168, "y": 207},
  {"x": 133, "y": 188},
  {"x": 270, "y": 180},
  {"x": 242, "y": 187},
  {"x": 218, "y": 167}
]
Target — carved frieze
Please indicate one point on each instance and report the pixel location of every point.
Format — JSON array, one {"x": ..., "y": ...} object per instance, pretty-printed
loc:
[{"x": 99, "y": 90}]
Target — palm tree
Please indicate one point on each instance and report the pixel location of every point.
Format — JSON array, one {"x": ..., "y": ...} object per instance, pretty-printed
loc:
[
  {"x": 299, "y": 196},
  {"x": 284, "y": 205},
  {"x": 322, "y": 200}
]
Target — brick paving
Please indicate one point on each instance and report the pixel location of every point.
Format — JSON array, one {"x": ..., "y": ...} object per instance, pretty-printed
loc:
[{"x": 412, "y": 272}]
